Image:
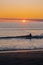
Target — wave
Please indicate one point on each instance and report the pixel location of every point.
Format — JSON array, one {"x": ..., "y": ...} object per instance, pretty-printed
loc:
[
  {"x": 24, "y": 37},
  {"x": 14, "y": 49}
]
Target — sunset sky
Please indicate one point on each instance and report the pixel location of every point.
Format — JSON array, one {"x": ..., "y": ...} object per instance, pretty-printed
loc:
[{"x": 21, "y": 9}]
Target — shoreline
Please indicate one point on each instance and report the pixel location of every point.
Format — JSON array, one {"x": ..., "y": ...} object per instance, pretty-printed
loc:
[
  {"x": 23, "y": 54},
  {"x": 21, "y": 57},
  {"x": 22, "y": 50}
]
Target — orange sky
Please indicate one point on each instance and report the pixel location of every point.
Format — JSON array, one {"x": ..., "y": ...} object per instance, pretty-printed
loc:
[{"x": 21, "y": 9}]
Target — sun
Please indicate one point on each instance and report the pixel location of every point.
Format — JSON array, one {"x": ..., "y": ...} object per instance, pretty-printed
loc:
[{"x": 23, "y": 21}]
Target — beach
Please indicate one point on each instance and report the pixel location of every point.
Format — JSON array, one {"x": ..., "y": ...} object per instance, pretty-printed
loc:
[
  {"x": 21, "y": 32},
  {"x": 21, "y": 57}
]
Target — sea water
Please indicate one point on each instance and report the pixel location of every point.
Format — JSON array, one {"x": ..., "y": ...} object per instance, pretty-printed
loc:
[{"x": 12, "y": 44}]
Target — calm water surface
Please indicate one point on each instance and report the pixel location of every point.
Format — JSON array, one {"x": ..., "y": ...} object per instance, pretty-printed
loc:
[{"x": 6, "y": 44}]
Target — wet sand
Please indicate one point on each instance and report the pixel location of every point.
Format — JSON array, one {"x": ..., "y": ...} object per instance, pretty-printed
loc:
[{"x": 21, "y": 57}]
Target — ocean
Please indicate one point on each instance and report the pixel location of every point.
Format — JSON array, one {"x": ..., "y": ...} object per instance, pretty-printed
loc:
[
  {"x": 15, "y": 44},
  {"x": 19, "y": 29}
]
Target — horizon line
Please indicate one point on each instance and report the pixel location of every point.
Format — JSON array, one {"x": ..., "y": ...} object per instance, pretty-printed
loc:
[{"x": 31, "y": 19}]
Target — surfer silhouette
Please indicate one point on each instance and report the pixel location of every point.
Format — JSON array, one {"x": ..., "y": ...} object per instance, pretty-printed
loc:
[{"x": 30, "y": 35}]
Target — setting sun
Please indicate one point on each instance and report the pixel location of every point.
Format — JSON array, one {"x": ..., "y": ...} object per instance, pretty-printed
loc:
[{"x": 23, "y": 21}]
